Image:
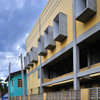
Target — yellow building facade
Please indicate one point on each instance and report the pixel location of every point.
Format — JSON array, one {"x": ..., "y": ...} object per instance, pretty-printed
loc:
[
  {"x": 76, "y": 52},
  {"x": 50, "y": 11}
]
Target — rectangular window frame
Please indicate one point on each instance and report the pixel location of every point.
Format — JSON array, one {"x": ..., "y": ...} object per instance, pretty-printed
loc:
[{"x": 20, "y": 83}]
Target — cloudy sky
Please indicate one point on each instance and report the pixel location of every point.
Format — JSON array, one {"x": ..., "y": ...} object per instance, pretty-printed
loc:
[{"x": 17, "y": 17}]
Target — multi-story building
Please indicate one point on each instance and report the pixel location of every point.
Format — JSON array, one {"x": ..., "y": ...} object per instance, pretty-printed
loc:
[{"x": 63, "y": 47}]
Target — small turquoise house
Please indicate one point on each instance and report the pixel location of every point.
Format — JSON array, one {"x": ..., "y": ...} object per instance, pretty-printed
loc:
[{"x": 16, "y": 84}]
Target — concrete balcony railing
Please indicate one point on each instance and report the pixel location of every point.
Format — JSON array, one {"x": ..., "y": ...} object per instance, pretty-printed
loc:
[
  {"x": 85, "y": 9},
  {"x": 91, "y": 67},
  {"x": 65, "y": 75},
  {"x": 71, "y": 73}
]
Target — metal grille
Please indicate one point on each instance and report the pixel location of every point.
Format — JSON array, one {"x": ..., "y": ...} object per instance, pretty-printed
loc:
[
  {"x": 12, "y": 98},
  {"x": 36, "y": 97},
  {"x": 26, "y": 97},
  {"x": 94, "y": 94},
  {"x": 17, "y": 98},
  {"x": 65, "y": 95}
]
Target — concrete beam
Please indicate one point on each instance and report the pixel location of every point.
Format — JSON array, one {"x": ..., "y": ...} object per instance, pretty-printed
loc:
[
  {"x": 58, "y": 80},
  {"x": 88, "y": 72},
  {"x": 88, "y": 33},
  {"x": 33, "y": 70},
  {"x": 58, "y": 54}
]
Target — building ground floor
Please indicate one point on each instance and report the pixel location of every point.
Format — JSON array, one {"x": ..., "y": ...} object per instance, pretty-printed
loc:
[{"x": 83, "y": 94}]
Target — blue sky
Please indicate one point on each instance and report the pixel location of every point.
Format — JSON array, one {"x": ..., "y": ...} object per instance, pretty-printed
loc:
[{"x": 17, "y": 18}]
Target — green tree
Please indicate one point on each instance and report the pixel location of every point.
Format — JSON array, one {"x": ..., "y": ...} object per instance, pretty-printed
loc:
[{"x": 3, "y": 88}]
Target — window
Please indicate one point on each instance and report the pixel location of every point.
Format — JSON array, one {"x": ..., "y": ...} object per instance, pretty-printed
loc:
[
  {"x": 12, "y": 82},
  {"x": 38, "y": 90},
  {"x": 19, "y": 82},
  {"x": 38, "y": 73}
]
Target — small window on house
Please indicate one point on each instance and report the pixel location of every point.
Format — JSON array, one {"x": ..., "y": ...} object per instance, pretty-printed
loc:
[
  {"x": 12, "y": 82},
  {"x": 19, "y": 82}
]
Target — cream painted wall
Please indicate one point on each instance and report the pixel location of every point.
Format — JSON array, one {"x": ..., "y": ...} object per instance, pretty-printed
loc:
[
  {"x": 81, "y": 27},
  {"x": 52, "y": 8}
]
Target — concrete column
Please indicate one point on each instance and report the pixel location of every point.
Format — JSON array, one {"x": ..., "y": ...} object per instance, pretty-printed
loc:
[
  {"x": 41, "y": 80},
  {"x": 41, "y": 70},
  {"x": 88, "y": 58},
  {"x": 76, "y": 66}
]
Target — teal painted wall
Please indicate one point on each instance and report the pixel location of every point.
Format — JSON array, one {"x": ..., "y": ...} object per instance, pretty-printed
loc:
[{"x": 15, "y": 90}]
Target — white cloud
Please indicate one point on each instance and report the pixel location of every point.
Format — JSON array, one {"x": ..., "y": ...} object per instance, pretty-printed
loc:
[
  {"x": 4, "y": 63},
  {"x": 18, "y": 44},
  {"x": 7, "y": 9},
  {"x": 15, "y": 61},
  {"x": 20, "y": 3},
  {"x": 34, "y": 3}
]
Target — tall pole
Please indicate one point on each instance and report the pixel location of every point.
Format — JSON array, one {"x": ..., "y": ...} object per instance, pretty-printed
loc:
[
  {"x": 22, "y": 72},
  {"x": 9, "y": 82}
]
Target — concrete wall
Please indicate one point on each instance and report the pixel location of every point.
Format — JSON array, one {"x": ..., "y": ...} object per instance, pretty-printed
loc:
[
  {"x": 83, "y": 27},
  {"x": 33, "y": 82}
]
